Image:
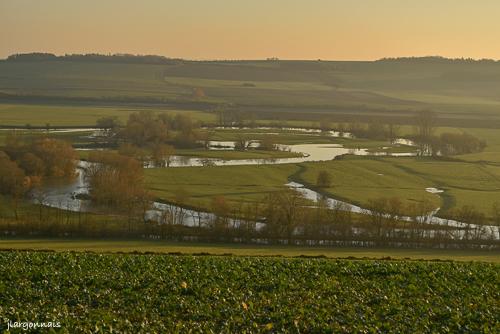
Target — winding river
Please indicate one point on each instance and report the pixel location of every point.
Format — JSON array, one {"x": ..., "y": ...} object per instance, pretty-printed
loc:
[{"x": 65, "y": 196}]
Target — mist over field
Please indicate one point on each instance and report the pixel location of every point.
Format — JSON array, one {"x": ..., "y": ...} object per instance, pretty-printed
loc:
[{"x": 462, "y": 92}]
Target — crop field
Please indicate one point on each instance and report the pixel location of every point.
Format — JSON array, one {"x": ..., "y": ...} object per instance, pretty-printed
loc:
[
  {"x": 271, "y": 85},
  {"x": 76, "y": 115},
  {"x": 158, "y": 293},
  {"x": 299, "y": 87},
  {"x": 226, "y": 249}
]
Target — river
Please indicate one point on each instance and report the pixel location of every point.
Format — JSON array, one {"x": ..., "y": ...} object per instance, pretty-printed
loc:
[{"x": 65, "y": 195}]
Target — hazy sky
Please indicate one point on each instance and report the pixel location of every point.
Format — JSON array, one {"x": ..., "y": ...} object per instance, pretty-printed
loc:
[{"x": 254, "y": 29}]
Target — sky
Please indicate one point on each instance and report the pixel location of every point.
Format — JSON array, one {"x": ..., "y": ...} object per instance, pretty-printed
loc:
[{"x": 254, "y": 29}]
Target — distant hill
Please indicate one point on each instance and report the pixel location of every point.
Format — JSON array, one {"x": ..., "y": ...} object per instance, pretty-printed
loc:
[
  {"x": 155, "y": 59},
  {"x": 455, "y": 88}
]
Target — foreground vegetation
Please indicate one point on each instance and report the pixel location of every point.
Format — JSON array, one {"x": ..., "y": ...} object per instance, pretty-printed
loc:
[{"x": 144, "y": 293}]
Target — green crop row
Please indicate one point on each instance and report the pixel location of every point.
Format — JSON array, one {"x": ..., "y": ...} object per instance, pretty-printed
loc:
[{"x": 162, "y": 294}]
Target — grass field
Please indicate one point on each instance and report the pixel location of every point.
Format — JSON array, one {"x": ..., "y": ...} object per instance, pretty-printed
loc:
[
  {"x": 77, "y": 115},
  {"x": 456, "y": 90},
  {"x": 185, "y": 294},
  {"x": 360, "y": 179},
  {"x": 144, "y": 246},
  {"x": 280, "y": 136},
  {"x": 300, "y": 91},
  {"x": 492, "y": 151},
  {"x": 356, "y": 180},
  {"x": 201, "y": 184},
  {"x": 247, "y": 85},
  {"x": 473, "y": 179}
]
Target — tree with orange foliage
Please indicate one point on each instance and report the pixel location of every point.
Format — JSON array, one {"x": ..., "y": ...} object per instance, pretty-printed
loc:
[
  {"x": 13, "y": 181},
  {"x": 117, "y": 182},
  {"x": 198, "y": 93},
  {"x": 59, "y": 157}
]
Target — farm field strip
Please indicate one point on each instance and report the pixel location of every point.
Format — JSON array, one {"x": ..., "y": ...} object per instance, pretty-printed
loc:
[
  {"x": 193, "y": 248},
  {"x": 158, "y": 293}
]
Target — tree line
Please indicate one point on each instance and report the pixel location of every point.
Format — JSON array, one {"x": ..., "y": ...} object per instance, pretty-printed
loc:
[
  {"x": 282, "y": 217},
  {"x": 95, "y": 57},
  {"x": 146, "y": 128},
  {"x": 437, "y": 59},
  {"x": 445, "y": 144},
  {"x": 152, "y": 137},
  {"x": 424, "y": 135},
  {"x": 26, "y": 161}
]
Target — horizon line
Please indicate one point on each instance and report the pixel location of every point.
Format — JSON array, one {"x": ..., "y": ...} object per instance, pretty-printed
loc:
[{"x": 254, "y": 59}]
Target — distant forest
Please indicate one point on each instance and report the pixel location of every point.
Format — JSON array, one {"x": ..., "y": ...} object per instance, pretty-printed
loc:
[
  {"x": 94, "y": 57},
  {"x": 153, "y": 59},
  {"x": 437, "y": 59}
]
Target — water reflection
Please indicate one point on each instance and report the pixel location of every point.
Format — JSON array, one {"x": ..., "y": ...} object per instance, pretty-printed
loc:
[
  {"x": 309, "y": 152},
  {"x": 64, "y": 194},
  {"x": 491, "y": 231}
]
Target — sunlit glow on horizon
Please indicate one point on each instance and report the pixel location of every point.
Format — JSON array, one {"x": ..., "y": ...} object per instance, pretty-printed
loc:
[{"x": 258, "y": 29}]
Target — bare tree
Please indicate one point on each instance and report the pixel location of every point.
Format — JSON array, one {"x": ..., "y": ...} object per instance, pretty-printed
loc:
[
  {"x": 283, "y": 211},
  {"x": 324, "y": 179},
  {"x": 242, "y": 142},
  {"x": 162, "y": 154},
  {"x": 425, "y": 123},
  {"x": 393, "y": 132},
  {"x": 495, "y": 213}
]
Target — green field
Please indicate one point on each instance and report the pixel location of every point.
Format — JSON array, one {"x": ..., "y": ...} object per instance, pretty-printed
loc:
[
  {"x": 236, "y": 155},
  {"x": 359, "y": 180},
  {"x": 464, "y": 183},
  {"x": 356, "y": 180},
  {"x": 195, "y": 248},
  {"x": 460, "y": 92},
  {"x": 201, "y": 184},
  {"x": 472, "y": 179},
  {"x": 158, "y": 293},
  {"x": 492, "y": 152},
  {"x": 78, "y": 114},
  {"x": 287, "y": 93}
]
